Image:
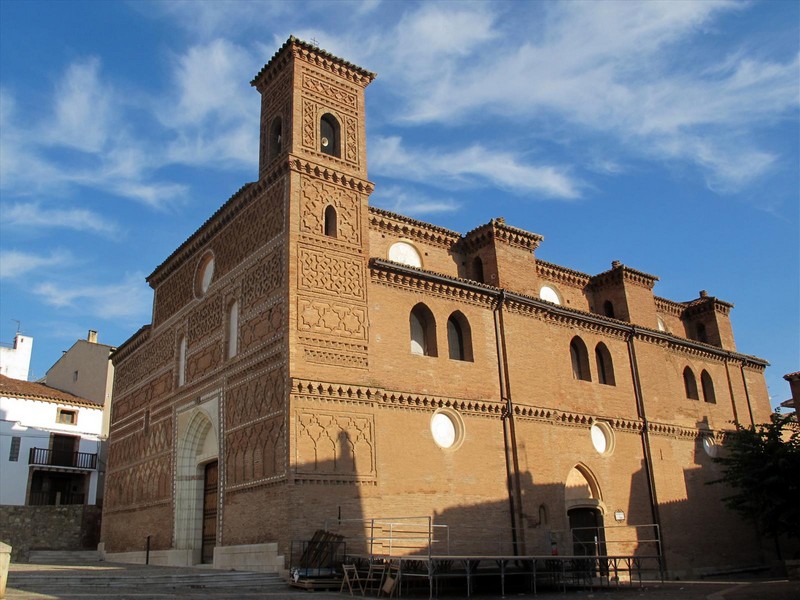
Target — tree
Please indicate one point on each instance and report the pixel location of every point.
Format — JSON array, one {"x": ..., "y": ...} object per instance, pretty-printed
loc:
[{"x": 762, "y": 467}]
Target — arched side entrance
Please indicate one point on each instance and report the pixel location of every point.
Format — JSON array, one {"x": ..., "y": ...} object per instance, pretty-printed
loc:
[
  {"x": 196, "y": 475},
  {"x": 585, "y": 509}
]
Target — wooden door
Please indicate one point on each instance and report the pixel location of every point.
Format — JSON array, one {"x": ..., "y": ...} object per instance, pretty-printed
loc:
[{"x": 210, "y": 489}]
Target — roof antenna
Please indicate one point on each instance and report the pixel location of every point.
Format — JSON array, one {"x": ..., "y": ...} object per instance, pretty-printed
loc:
[
  {"x": 315, "y": 42},
  {"x": 19, "y": 324}
]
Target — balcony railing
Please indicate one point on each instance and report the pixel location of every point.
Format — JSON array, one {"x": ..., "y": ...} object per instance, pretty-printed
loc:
[{"x": 58, "y": 458}]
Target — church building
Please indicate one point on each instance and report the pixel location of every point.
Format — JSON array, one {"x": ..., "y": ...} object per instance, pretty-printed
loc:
[{"x": 315, "y": 360}]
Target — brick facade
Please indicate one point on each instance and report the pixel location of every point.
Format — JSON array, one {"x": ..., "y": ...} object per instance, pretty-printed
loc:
[{"x": 316, "y": 408}]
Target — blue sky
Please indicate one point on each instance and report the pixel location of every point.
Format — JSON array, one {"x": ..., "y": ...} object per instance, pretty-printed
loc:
[{"x": 661, "y": 134}]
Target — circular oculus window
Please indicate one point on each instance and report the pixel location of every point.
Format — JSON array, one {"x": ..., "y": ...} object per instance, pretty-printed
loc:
[
  {"x": 602, "y": 438},
  {"x": 447, "y": 429},
  {"x": 710, "y": 446}
]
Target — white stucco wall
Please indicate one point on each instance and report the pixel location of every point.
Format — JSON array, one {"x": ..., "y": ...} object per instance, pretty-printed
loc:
[
  {"x": 33, "y": 421},
  {"x": 15, "y": 361}
]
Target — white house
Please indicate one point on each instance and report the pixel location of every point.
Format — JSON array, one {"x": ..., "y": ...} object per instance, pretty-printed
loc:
[
  {"x": 15, "y": 360},
  {"x": 49, "y": 444}
]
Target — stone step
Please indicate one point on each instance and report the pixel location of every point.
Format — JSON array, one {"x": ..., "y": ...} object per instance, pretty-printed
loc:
[
  {"x": 142, "y": 579},
  {"x": 63, "y": 557}
]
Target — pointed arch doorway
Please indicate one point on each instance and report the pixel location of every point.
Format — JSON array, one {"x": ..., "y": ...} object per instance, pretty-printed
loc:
[{"x": 585, "y": 509}]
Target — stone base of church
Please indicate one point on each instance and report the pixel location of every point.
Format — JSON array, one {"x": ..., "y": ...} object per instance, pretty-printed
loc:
[{"x": 262, "y": 558}]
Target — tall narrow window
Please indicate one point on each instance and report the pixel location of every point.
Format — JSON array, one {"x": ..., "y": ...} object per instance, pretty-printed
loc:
[
  {"x": 330, "y": 221},
  {"x": 13, "y": 453},
  {"x": 233, "y": 329},
  {"x": 605, "y": 366},
  {"x": 182, "y": 361},
  {"x": 608, "y": 309},
  {"x": 690, "y": 384},
  {"x": 580, "y": 359},
  {"x": 708, "y": 388},
  {"x": 275, "y": 137},
  {"x": 329, "y": 135},
  {"x": 459, "y": 338},
  {"x": 477, "y": 269},
  {"x": 423, "y": 331},
  {"x": 702, "y": 336}
]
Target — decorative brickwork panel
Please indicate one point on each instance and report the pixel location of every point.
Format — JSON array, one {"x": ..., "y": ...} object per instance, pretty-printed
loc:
[
  {"x": 256, "y": 453},
  {"x": 310, "y": 110},
  {"x": 263, "y": 326},
  {"x": 317, "y": 195},
  {"x": 140, "y": 485},
  {"x": 133, "y": 448},
  {"x": 262, "y": 280},
  {"x": 351, "y": 139},
  {"x": 152, "y": 356},
  {"x": 335, "y": 93},
  {"x": 250, "y": 229},
  {"x": 255, "y": 398},
  {"x": 174, "y": 293},
  {"x": 154, "y": 392},
  {"x": 341, "y": 276},
  {"x": 204, "y": 361},
  {"x": 205, "y": 319},
  {"x": 333, "y": 318},
  {"x": 333, "y": 444}
]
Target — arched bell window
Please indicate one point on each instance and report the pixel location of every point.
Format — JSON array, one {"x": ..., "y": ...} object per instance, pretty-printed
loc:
[
  {"x": 423, "y": 331},
  {"x": 580, "y": 359},
  {"x": 708, "y": 387},
  {"x": 690, "y": 384},
  {"x": 605, "y": 366},
  {"x": 459, "y": 337},
  {"x": 477, "y": 269},
  {"x": 608, "y": 308},
  {"x": 330, "y": 222},
  {"x": 275, "y": 137},
  {"x": 329, "y": 142}
]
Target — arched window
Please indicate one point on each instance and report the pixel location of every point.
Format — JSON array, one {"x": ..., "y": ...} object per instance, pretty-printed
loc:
[
  {"x": 608, "y": 309},
  {"x": 702, "y": 336},
  {"x": 405, "y": 254},
  {"x": 329, "y": 135},
  {"x": 330, "y": 221},
  {"x": 182, "y": 361},
  {"x": 580, "y": 359},
  {"x": 477, "y": 269},
  {"x": 423, "y": 331},
  {"x": 605, "y": 366},
  {"x": 550, "y": 294},
  {"x": 542, "y": 514},
  {"x": 233, "y": 329},
  {"x": 459, "y": 337},
  {"x": 275, "y": 137},
  {"x": 708, "y": 387},
  {"x": 690, "y": 384}
]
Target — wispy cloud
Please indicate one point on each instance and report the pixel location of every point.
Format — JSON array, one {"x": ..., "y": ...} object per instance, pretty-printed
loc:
[
  {"x": 126, "y": 299},
  {"x": 35, "y": 215},
  {"x": 472, "y": 166},
  {"x": 412, "y": 202},
  {"x": 14, "y": 263}
]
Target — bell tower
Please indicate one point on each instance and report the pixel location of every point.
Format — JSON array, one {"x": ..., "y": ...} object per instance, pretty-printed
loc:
[{"x": 313, "y": 137}]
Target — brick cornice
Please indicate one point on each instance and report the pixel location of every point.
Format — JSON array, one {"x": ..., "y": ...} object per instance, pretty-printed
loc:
[
  {"x": 496, "y": 229},
  {"x": 559, "y": 274},
  {"x": 384, "y": 220},
  {"x": 313, "y": 55},
  {"x": 306, "y": 167},
  {"x": 669, "y": 307},
  {"x": 620, "y": 273}
]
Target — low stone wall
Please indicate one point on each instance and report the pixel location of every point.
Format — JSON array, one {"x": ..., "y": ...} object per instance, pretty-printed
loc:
[{"x": 26, "y": 528}]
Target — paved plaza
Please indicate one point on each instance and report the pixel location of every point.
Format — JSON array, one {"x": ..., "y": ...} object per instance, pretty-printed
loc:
[{"x": 138, "y": 582}]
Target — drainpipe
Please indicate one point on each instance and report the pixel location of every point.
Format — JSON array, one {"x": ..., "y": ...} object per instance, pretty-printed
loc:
[
  {"x": 509, "y": 432},
  {"x": 648, "y": 458}
]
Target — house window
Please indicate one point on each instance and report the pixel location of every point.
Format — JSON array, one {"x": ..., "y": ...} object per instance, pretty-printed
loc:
[
  {"x": 66, "y": 416},
  {"x": 690, "y": 384},
  {"x": 13, "y": 454},
  {"x": 580, "y": 359},
  {"x": 329, "y": 135},
  {"x": 423, "y": 331},
  {"x": 233, "y": 329},
  {"x": 708, "y": 387},
  {"x": 74, "y": 376},
  {"x": 330, "y": 222},
  {"x": 459, "y": 338},
  {"x": 605, "y": 366}
]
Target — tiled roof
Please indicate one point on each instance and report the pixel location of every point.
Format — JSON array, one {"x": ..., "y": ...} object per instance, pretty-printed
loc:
[{"x": 16, "y": 388}]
